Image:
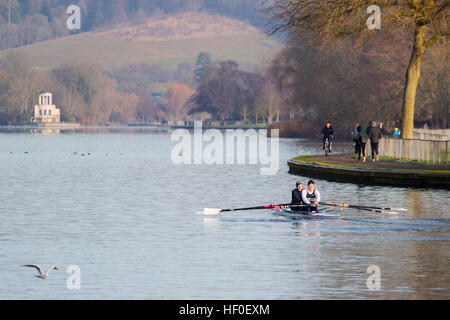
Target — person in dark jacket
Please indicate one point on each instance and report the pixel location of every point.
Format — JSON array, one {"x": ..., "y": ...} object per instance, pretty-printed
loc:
[
  {"x": 355, "y": 137},
  {"x": 361, "y": 143},
  {"x": 327, "y": 132},
  {"x": 297, "y": 194},
  {"x": 369, "y": 126},
  {"x": 374, "y": 136}
]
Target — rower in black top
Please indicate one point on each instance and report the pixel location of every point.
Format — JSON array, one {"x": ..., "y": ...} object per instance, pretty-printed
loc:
[{"x": 297, "y": 194}]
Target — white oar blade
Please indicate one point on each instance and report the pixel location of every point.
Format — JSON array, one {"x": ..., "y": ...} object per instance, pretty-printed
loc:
[
  {"x": 392, "y": 212},
  {"x": 211, "y": 211},
  {"x": 400, "y": 209}
]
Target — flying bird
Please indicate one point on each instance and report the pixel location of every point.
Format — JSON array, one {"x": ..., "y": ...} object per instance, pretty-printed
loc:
[{"x": 41, "y": 275}]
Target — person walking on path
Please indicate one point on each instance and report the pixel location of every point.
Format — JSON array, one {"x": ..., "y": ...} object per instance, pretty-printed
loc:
[
  {"x": 374, "y": 136},
  {"x": 361, "y": 140},
  {"x": 369, "y": 126},
  {"x": 396, "y": 132},
  {"x": 382, "y": 129},
  {"x": 355, "y": 137}
]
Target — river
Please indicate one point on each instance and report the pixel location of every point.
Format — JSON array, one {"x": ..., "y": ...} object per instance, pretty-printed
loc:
[{"x": 112, "y": 203}]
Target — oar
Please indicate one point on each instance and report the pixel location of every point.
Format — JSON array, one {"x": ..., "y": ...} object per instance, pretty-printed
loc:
[
  {"x": 213, "y": 211},
  {"x": 381, "y": 208},
  {"x": 345, "y": 205},
  {"x": 364, "y": 208}
]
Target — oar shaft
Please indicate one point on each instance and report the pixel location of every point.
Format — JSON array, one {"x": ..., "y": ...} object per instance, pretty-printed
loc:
[
  {"x": 241, "y": 209},
  {"x": 345, "y": 205},
  {"x": 270, "y": 206},
  {"x": 380, "y": 208}
]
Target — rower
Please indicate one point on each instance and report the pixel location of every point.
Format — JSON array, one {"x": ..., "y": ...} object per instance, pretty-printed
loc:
[
  {"x": 297, "y": 194},
  {"x": 311, "y": 197}
]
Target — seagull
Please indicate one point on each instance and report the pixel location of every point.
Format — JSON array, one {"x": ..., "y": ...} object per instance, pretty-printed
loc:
[{"x": 41, "y": 275}]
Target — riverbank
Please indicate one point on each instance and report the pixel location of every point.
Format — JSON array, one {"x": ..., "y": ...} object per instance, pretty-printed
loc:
[
  {"x": 59, "y": 125},
  {"x": 205, "y": 125},
  {"x": 344, "y": 168}
]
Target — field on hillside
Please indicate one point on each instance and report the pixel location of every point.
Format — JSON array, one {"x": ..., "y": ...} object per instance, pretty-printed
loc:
[{"x": 223, "y": 38}]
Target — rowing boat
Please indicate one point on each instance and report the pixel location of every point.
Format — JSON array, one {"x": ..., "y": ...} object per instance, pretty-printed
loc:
[{"x": 303, "y": 214}]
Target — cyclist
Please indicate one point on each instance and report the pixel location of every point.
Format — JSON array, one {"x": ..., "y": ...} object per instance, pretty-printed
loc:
[{"x": 327, "y": 132}]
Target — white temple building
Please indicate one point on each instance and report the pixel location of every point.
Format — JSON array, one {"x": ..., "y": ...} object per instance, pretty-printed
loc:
[{"x": 45, "y": 111}]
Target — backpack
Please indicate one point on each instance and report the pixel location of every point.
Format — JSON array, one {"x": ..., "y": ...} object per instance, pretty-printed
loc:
[{"x": 362, "y": 138}]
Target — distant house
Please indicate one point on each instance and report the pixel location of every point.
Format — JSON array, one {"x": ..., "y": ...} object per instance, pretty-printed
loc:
[{"x": 45, "y": 111}]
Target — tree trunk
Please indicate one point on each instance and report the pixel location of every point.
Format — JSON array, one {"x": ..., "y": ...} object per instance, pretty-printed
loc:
[
  {"x": 412, "y": 81},
  {"x": 446, "y": 115}
]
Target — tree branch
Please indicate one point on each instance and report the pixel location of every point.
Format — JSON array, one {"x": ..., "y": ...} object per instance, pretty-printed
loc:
[{"x": 436, "y": 37}]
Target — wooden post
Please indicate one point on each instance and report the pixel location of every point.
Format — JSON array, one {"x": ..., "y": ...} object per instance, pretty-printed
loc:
[{"x": 446, "y": 152}]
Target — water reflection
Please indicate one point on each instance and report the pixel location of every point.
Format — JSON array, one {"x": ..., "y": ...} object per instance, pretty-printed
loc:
[{"x": 45, "y": 131}]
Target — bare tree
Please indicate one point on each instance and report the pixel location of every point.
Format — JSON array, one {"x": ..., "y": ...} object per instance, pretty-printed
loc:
[
  {"x": 23, "y": 81},
  {"x": 10, "y": 4},
  {"x": 269, "y": 102},
  {"x": 331, "y": 19}
]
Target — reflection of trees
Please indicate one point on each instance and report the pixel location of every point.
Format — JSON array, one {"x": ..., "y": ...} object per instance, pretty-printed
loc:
[{"x": 415, "y": 201}]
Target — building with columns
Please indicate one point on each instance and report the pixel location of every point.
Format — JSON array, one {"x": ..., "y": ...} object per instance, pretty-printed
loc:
[{"x": 45, "y": 111}]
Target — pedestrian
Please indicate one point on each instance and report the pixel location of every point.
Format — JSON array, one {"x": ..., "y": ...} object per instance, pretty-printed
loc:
[
  {"x": 369, "y": 125},
  {"x": 382, "y": 129},
  {"x": 374, "y": 136},
  {"x": 361, "y": 140},
  {"x": 396, "y": 132},
  {"x": 355, "y": 137}
]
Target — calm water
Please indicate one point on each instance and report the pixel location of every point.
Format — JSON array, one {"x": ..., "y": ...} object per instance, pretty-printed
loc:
[{"x": 126, "y": 215}]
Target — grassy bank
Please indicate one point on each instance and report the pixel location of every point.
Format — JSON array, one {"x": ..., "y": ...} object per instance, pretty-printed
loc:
[{"x": 329, "y": 162}]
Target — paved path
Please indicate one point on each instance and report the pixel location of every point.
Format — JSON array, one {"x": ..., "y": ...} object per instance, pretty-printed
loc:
[{"x": 348, "y": 160}]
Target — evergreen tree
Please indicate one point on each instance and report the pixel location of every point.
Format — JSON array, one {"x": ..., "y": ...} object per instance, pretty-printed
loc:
[{"x": 203, "y": 61}]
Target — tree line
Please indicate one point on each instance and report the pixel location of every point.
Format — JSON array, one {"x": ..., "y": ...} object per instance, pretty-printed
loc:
[
  {"x": 89, "y": 95},
  {"x": 345, "y": 85},
  {"x": 84, "y": 93},
  {"x": 327, "y": 23},
  {"x": 338, "y": 82},
  {"x": 303, "y": 82},
  {"x": 24, "y": 22}
]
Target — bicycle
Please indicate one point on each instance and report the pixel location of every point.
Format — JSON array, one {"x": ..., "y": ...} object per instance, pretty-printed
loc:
[{"x": 327, "y": 147}]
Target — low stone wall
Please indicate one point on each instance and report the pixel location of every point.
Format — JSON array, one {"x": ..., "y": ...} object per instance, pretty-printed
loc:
[{"x": 408, "y": 178}]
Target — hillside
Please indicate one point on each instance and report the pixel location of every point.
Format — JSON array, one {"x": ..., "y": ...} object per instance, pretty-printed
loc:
[{"x": 163, "y": 40}]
